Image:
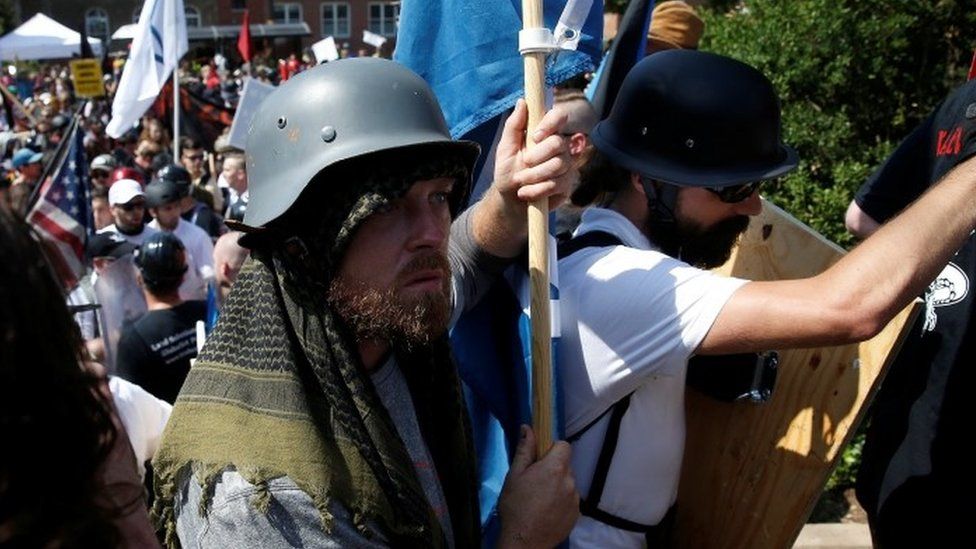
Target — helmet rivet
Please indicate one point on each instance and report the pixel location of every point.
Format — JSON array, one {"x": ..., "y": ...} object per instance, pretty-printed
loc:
[
  {"x": 690, "y": 143},
  {"x": 328, "y": 134},
  {"x": 644, "y": 130},
  {"x": 282, "y": 122}
]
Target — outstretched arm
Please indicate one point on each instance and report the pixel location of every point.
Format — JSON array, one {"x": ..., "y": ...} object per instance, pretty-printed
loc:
[{"x": 854, "y": 299}]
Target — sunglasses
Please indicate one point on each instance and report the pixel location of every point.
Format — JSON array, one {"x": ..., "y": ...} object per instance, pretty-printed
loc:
[
  {"x": 194, "y": 157},
  {"x": 99, "y": 175},
  {"x": 132, "y": 206},
  {"x": 735, "y": 193}
]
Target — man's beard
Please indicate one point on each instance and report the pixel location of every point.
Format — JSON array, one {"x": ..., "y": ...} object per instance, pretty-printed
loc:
[
  {"x": 698, "y": 246},
  {"x": 389, "y": 315},
  {"x": 130, "y": 230}
]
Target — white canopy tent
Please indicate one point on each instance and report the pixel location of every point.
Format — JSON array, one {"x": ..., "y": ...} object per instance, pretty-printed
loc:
[
  {"x": 41, "y": 37},
  {"x": 125, "y": 32}
]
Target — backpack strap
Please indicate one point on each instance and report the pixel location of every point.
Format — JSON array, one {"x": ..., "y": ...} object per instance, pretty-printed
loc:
[
  {"x": 597, "y": 239},
  {"x": 590, "y": 506}
]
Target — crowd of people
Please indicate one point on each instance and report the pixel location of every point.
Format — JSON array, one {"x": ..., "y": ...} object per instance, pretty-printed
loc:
[{"x": 324, "y": 407}]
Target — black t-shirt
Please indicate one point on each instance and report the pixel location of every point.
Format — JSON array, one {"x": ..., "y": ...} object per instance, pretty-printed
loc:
[
  {"x": 202, "y": 216},
  {"x": 155, "y": 351},
  {"x": 913, "y": 465}
]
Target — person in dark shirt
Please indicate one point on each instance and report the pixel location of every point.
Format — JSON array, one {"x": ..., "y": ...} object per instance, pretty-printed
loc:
[
  {"x": 913, "y": 464},
  {"x": 155, "y": 351},
  {"x": 192, "y": 210},
  {"x": 203, "y": 186}
]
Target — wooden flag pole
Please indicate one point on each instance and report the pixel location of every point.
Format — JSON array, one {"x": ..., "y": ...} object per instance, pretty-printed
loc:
[
  {"x": 542, "y": 421},
  {"x": 176, "y": 113}
]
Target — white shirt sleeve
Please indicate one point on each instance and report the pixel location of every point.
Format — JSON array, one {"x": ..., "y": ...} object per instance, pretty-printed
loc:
[
  {"x": 642, "y": 313},
  {"x": 143, "y": 416},
  {"x": 205, "y": 250}
]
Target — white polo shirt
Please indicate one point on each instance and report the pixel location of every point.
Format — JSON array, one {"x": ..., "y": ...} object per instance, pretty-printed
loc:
[{"x": 631, "y": 318}]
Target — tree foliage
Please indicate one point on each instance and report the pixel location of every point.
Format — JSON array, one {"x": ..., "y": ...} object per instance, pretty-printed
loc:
[
  {"x": 7, "y": 22},
  {"x": 854, "y": 78}
]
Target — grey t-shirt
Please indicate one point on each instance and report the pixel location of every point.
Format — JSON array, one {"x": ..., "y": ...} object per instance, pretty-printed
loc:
[
  {"x": 392, "y": 389},
  {"x": 292, "y": 518}
]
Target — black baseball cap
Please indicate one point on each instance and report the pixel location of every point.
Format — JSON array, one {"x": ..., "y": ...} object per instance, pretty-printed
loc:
[{"x": 108, "y": 244}]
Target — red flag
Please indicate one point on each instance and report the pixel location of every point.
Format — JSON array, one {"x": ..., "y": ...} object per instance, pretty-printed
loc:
[
  {"x": 972, "y": 67},
  {"x": 244, "y": 40},
  {"x": 201, "y": 118}
]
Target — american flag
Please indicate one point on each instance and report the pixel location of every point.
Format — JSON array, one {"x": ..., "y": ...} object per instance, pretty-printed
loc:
[{"x": 62, "y": 214}]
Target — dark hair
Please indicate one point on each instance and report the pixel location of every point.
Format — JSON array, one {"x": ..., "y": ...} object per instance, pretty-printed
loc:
[
  {"x": 162, "y": 286},
  {"x": 56, "y": 427},
  {"x": 189, "y": 143},
  {"x": 599, "y": 178}
]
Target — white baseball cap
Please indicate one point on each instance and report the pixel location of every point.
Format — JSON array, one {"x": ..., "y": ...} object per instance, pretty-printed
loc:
[{"x": 123, "y": 191}]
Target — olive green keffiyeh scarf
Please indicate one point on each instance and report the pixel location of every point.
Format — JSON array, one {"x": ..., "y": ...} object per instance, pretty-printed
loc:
[{"x": 279, "y": 391}]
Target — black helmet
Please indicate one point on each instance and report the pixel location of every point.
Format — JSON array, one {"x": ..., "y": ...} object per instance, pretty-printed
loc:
[
  {"x": 695, "y": 119},
  {"x": 335, "y": 112},
  {"x": 59, "y": 122},
  {"x": 161, "y": 161},
  {"x": 177, "y": 174},
  {"x": 161, "y": 192},
  {"x": 174, "y": 172},
  {"x": 161, "y": 259}
]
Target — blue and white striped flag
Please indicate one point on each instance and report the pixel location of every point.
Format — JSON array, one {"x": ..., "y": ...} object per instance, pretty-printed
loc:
[
  {"x": 467, "y": 50},
  {"x": 628, "y": 48}
]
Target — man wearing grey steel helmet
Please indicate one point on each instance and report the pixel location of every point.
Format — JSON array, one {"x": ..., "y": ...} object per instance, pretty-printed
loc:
[
  {"x": 676, "y": 177},
  {"x": 325, "y": 410}
]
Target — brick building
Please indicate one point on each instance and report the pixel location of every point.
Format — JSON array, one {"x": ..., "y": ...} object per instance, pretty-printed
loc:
[{"x": 213, "y": 25}]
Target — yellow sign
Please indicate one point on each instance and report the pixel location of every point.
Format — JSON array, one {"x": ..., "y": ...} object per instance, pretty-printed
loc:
[{"x": 87, "y": 76}]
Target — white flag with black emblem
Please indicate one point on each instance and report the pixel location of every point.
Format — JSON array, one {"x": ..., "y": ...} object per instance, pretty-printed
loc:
[{"x": 158, "y": 44}]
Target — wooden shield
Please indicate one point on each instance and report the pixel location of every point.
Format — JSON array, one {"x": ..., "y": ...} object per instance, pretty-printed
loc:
[{"x": 752, "y": 473}]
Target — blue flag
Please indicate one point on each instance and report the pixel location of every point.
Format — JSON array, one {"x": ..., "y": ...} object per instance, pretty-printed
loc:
[
  {"x": 492, "y": 346},
  {"x": 213, "y": 307},
  {"x": 467, "y": 50}
]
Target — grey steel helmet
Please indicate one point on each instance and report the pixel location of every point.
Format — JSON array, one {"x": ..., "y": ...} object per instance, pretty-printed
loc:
[{"x": 331, "y": 113}]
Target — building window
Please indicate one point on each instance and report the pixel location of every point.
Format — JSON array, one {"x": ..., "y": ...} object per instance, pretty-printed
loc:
[
  {"x": 290, "y": 12},
  {"x": 238, "y": 4},
  {"x": 192, "y": 16},
  {"x": 335, "y": 19},
  {"x": 383, "y": 17},
  {"x": 96, "y": 23}
]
